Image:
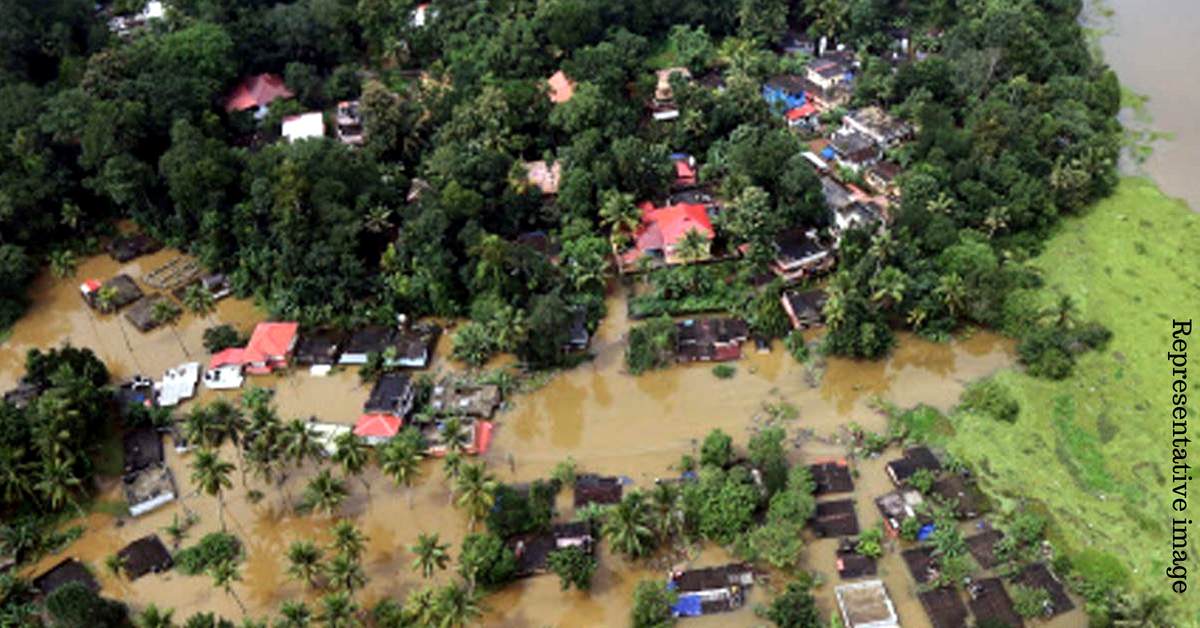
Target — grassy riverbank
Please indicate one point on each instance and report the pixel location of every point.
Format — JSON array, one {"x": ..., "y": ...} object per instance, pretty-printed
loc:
[{"x": 1093, "y": 449}]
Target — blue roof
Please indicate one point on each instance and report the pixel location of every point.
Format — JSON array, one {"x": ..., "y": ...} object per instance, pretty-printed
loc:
[{"x": 687, "y": 606}]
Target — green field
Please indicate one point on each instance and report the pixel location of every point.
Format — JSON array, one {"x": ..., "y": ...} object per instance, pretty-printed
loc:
[{"x": 1094, "y": 449}]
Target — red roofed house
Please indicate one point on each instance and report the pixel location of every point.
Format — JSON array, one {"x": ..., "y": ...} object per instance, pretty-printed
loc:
[
  {"x": 257, "y": 92},
  {"x": 561, "y": 88},
  {"x": 663, "y": 230},
  {"x": 377, "y": 428},
  {"x": 803, "y": 117}
]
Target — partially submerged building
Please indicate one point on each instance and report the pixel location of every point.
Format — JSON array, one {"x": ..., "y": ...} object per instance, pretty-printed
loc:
[
  {"x": 711, "y": 589},
  {"x": 65, "y": 572},
  {"x": 143, "y": 556},
  {"x": 866, "y": 605},
  {"x": 597, "y": 489},
  {"x": 710, "y": 339}
]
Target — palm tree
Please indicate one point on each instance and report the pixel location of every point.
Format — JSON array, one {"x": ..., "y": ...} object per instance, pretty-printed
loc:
[
  {"x": 294, "y": 614},
  {"x": 345, "y": 572},
  {"x": 431, "y": 555},
  {"x": 164, "y": 312},
  {"x": 198, "y": 300},
  {"x": 693, "y": 247},
  {"x": 628, "y": 526},
  {"x": 338, "y": 610},
  {"x": 353, "y": 454},
  {"x": 210, "y": 474},
  {"x": 399, "y": 460},
  {"x": 224, "y": 574},
  {"x": 476, "y": 490},
  {"x": 348, "y": 539},
  {"x": 324, "y": 493},
  {"x": 456, "y": 606},
  {"x": 304, "y": 562},
  {"x": 155, "y": 617}
]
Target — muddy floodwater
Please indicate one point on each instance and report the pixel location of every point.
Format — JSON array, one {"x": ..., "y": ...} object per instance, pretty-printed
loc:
[{"x": 608, "y": 421}]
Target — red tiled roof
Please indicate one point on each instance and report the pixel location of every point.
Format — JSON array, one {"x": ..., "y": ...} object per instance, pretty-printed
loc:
[
  {"x": 561, "y": 88},
  {"x": 257, "y": 91},
  {"x": 378, "y": 425},
  {"x": 803, "y": 111}
]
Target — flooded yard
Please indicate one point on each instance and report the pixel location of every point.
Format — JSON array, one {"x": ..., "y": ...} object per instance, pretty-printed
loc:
[{"x": 608, "y": 421}]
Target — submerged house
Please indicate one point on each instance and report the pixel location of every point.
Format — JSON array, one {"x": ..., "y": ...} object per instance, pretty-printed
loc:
[
  {"x": 710, "y": 590},
  {"x": 256, "y": 93},
  {"x": 710, "y": 339},
  {"x": 866, "y": 605}
]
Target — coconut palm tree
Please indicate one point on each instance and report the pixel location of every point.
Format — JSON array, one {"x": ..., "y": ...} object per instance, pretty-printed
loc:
[
  {"x": 164, "y": 312},
  {"x": 210, "y": 474},
  {"x": 628, "y": 526},
  {"x": 324, "y": 493},
  {"x": 304, "y": 562},
  {"x": 155, "y": 617},
  {"x": 198, "y": 300},
  {"x": 348, "y": 539},
  {"x": 294, "y": 614},
  {"x": 456, "y": 606},
  {"x": 224, "y": 574},
  {"x": 345, "y": 573},
  {"x": 693, "y": 247},
  {"x": 338, "y": 610},
  {"x": 476, "y": 490},
  {"x": 431, "y": 556},
  {"x": 353, "y": 454},
  {"x": 400, "y": 460}
]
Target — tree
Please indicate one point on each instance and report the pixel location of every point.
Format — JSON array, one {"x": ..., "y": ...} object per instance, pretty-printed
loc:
[
  {"x": 338, "y": 610},
  {"x": 210, "y": 474},
  {"x": 476, "y": 489},
  {"x": 155, "y": 617},
  {"x": 345, "y": 572},
  {"x": 304, "y": 562},
  {"x": 224, "y": 574},
  {"x": 574, "y": 567},
  {"x": 795, "y": 608},
  {"x": 627, "y": 526},
  {"x": 652, "y": 605},
  {"x": 324, "y": 493},
  {"x": 431, "y": 555},
  {"x": 348, "y": 539}
]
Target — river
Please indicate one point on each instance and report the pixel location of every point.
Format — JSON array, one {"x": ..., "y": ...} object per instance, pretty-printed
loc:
[
  {"x": 1152, "y": 45},
  {"x": 608, "y": 421}
]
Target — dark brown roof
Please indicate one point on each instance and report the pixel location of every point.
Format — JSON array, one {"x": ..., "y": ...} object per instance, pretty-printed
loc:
[
  {"x": 145, "y": 555},
  {"x": 835, "y": 518},
  {"x": 921, "y": 563},
  {"x": 65, "y": 572},
  {"x": 983, "y": 547},
  {"x": 945, "y": 607},
  {"x": 831, "y": 477},
  {"x": 143, "y": 448},
  {"x": 594, "y": 489},
  {"x": 1038, "y": 576},
  {"x": 989, "y": 600}
]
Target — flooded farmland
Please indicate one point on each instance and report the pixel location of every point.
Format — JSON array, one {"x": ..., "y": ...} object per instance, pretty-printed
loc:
[{"x": 608, "y": 421}]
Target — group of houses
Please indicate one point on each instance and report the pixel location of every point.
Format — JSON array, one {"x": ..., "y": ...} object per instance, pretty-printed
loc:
[{"x": 865, "y": 602}]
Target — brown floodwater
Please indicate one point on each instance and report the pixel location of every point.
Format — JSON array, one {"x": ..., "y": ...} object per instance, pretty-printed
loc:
[
  {"x": 607, "y": 420},
  {"x": 1152, "y": 45}
]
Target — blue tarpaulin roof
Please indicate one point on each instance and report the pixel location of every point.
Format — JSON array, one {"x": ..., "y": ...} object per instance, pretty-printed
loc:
[{"x": 687, "y": 606}]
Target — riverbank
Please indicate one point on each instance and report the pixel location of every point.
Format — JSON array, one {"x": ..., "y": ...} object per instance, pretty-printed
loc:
[{"x": 1091, "y": 448}]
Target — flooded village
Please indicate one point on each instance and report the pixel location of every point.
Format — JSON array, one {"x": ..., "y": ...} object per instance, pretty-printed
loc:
[{"x": 607, "y": 421}]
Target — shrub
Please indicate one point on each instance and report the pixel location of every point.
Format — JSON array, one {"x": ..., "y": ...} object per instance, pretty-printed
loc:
[
  {"x": 574, "y": 567},
  {"x": 717, "y": 449},
  {"x": 652, "y": 605},
  {"x": 213, "y": 549},
  {"x": 796, "y": 346},
  {"x": 991, "y": 398},
  {"x": 723, "y": 371}
]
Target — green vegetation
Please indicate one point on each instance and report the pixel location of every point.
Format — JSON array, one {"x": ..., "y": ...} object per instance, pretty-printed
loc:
[{"x": 1094, "y": 434}]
